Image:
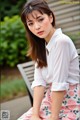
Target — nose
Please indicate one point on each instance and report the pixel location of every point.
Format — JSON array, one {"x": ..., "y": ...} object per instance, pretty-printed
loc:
[{"x": 37, "y": 26}]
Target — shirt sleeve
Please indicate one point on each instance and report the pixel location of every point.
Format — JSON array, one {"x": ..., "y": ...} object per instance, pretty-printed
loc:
[
  {"x": 60, "y": 63},
  {"x": 38, "y": 78}
]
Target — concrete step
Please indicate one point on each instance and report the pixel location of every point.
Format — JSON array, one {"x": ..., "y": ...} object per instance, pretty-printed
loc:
[{"x": 16, "y": 107}]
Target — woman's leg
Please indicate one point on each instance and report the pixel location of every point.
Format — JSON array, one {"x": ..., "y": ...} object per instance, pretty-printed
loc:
[
  {"x": 44, "y": 109},
  {"x": 71, "y": 104}
]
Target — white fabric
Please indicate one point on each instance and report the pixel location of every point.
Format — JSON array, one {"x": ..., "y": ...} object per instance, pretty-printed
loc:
[
  {"x": 38, "y": 79},
  {"x": 62, "y": 64}
]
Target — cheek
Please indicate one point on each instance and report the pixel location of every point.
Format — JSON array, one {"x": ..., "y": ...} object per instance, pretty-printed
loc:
[
  {"x": 46, "y": 24},
  {"x": 31, "y": 29}
]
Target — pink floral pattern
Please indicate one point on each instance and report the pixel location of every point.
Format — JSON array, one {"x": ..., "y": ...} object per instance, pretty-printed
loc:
[
  {"x": 70, "y": 109},
  {"x": 71, "y": 93},
  {"x": 71, "y": 102}
]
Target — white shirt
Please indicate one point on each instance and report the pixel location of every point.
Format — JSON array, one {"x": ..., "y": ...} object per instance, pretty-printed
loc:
[{"x": 62, "y": 64}]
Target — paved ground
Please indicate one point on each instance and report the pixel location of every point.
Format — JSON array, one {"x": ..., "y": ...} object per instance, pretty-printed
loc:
[{"x": 16, "y": 107}]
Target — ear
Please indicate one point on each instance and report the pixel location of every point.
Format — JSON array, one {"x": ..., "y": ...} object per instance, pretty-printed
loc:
[{"x": 51, "y": 18}]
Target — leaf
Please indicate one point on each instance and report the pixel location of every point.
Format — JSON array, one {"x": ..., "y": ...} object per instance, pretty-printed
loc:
[{"x": 13, "y": 41}]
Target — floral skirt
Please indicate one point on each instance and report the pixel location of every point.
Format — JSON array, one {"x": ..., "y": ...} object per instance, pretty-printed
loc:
[{"x": 70, "y": 109}]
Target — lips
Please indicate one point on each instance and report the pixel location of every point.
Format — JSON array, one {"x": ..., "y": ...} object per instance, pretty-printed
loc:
[{"x": 40, "y": 32}]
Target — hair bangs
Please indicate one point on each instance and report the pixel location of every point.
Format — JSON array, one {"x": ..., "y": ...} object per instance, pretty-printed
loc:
[{"x": 27, "y": 11}]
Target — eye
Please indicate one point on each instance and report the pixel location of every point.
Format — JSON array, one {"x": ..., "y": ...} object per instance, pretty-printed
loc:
[
  {"x": 41, "y": 19},
  {"x": 30, "y": 24}
]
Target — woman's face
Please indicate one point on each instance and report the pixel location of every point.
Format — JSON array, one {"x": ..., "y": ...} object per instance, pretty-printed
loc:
[{"x": 39, "y": 24}]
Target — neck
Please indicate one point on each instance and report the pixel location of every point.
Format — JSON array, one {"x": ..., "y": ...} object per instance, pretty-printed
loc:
[{"x": 47, "y": 39}]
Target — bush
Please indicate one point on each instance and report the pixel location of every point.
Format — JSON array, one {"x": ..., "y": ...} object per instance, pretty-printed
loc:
[
  {"x": 13, "y": 42},
  {"x": 10, "y": 7}
]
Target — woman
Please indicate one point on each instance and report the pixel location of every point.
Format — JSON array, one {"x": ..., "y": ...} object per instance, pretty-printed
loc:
[{"x": 56, "y": 63}]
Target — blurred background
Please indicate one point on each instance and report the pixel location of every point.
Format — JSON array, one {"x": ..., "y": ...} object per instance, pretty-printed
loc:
[
  {"x": 13, "y": 49},
  {"x": 13, "y": 41}
]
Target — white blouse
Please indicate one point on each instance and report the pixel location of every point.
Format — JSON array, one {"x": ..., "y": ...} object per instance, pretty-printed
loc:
[{"x": 62, "y": 64}]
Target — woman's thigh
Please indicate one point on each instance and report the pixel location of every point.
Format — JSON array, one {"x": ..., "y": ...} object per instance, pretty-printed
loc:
[{"x": 70, "y": 107}]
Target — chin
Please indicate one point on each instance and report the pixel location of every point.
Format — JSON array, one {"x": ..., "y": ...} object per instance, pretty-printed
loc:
[{"x": 42, "y": 36}]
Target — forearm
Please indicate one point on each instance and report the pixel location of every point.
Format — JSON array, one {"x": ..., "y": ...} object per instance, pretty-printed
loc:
[
  {"x": 57, "y": 98},
  {"x": 37, "y": 99}
]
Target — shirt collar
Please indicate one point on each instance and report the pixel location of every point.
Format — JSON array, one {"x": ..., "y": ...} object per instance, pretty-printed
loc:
[{"x": 52, "y": 40}]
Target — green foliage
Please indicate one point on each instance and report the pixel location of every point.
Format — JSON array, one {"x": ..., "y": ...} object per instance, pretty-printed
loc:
[
  {"x": 11, "y": 89},
  {"x": 75, "y": 36},
  {"x": 11, "y": 7},
  {"x": 13, "y": 43}
]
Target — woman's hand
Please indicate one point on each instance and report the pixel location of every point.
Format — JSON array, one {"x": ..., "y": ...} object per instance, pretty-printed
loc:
[{"x": 35, "y": 117}]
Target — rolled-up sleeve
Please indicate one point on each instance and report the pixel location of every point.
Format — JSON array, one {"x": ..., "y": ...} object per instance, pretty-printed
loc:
[
  {"x": 60, "y": 63},
  {"x": 38, "y": 78}
]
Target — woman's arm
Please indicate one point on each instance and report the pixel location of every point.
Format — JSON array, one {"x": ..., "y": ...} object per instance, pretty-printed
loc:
[
  {"x": 37, "y": 99},
  {"x": 38, "y": 87},
  {"x": 56, "y": 98}
]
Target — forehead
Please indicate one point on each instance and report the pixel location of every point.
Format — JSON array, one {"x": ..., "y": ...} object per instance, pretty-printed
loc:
[{"x": 34, "y": 15}]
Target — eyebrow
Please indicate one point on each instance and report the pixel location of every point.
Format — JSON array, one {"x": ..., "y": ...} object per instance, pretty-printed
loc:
[{"x": 35, "y": 18}]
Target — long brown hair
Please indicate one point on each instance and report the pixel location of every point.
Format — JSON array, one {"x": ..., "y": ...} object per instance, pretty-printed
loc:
[{"x": 37, "y": 49}]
